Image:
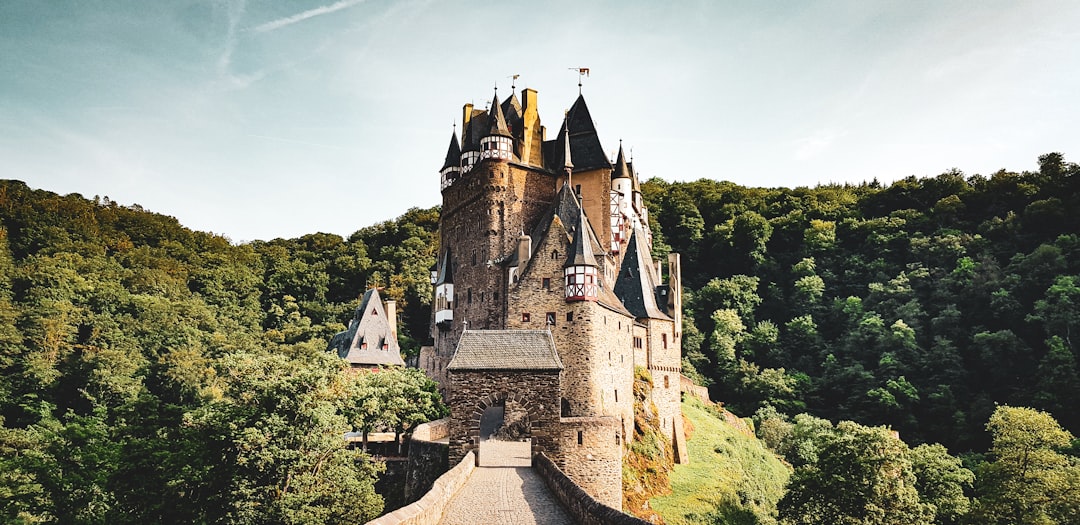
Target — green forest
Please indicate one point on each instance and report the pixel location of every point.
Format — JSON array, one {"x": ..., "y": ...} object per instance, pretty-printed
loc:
[{"x": 151, "y": 373}]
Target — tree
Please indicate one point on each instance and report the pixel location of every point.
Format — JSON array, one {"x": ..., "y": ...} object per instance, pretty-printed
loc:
[
  {"x": 941, "y": 480},
  {"x": 863, "y": 476},
  {"x": 1028, "y": 481}
]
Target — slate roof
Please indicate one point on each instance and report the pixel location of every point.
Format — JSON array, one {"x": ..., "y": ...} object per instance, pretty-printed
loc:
[
  {"x": 453, "y": 153},
  {"x": 621, "y": 171},
  {"x": 506, "y": 350},
  {"x": 498, "y": 121},
  {"x": 635, "y": 285},
  {"x": 369, "y": 325},
  {"x": 585, "y": 143},
  {"x": 446, "y": 270},
  {"x": 511, "y": 109},
  {"x": 581, "y": 248}
]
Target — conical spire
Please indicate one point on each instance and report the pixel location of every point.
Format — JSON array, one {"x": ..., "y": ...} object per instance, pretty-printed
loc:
[
  {"x": 581, "y": 252},
  {"x": 498, "y": 121},
  {"x": 453, "y": 153},
  {"x": 622, "y": 171}
]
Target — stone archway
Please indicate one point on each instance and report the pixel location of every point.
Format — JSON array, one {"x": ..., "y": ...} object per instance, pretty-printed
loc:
[{"x": 505, "y": 436}]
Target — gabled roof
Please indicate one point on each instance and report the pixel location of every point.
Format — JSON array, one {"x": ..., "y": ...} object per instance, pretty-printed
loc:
[
  {"x": 636, "y": 284},
  {"x": 505, "y": 350},
  {"x": 369, "y": 325},
  {"x": 453, "y": 153},
  {"x": 446, "y": 270},
  {"x": 498, "y": 121}
]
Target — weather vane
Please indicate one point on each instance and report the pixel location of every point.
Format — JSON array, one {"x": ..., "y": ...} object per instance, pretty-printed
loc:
[
  {"x": 513, "y": 82},
  {"x": 581, "y": 71}
]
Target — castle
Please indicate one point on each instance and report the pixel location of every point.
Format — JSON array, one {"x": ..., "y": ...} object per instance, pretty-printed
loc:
[{"x": 547, "y": 295}]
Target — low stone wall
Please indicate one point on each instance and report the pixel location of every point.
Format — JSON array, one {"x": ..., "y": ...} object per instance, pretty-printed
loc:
[
  {"x": 429, "y": 510},
  {"x": 428, "y": 458},
  {"x": 432, "y": 430},
  {"x": 582, "y": 507},
  {"x": 687, "y": 385}
]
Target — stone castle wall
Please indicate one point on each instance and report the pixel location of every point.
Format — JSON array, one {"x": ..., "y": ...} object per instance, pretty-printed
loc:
[
  {"x": 536, "y": 392},
  {"x": 594, "y": 342},
  {"x": 591, "y": 455},
  {"x": 585, "y": 509}
]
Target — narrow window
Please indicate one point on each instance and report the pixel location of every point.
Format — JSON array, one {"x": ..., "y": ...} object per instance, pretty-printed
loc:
[
  {"x": 469, "y": 298},
  {"x": 616, "y": 396},
  {"x": 545, "y": 283},
  {"x": 666, "y": 383},
  {"x": 551, "y": 318},
  {"x": 525, "y": 317},
  {"x": 569, "y": 316},
  {"x": 580, "y": 437},
  {"x": 664, "y": 338}
]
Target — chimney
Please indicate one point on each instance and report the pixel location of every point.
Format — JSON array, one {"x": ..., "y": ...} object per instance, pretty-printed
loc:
[
  {"x": 391, "y": 317},
  {"x": 524, "y": 250},
  {"x": 530, "y": 119},
  {"x": 466, "y": 116}
]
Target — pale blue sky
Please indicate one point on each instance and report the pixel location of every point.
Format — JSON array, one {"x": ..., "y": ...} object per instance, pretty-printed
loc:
[{"x": 265, "y": 119}]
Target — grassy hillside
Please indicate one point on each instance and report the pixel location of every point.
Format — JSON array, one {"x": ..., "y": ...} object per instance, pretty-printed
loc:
[{"x": 731, "y": 478}]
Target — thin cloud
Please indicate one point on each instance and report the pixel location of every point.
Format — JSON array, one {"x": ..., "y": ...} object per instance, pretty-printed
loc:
[{"x": 300, "y": 17}]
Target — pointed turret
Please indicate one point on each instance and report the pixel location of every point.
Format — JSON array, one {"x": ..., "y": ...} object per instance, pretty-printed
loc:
[
  {"x": 451, "y": 169},
  {"x": 498, "y": 120},
  {"x": 498, "y": 143},
  {"x": 621, "y": 171},
  {"x": 580, "y": 269}
]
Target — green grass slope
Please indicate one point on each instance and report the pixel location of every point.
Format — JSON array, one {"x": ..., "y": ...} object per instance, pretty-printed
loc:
[{"x": 731, "y": 478}]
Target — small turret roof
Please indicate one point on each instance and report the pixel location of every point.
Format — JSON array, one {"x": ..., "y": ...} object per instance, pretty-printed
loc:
[
  {"x": 453, "y": 153},
  {"x": 498, "y": 121},
  {"x": 581, "y": 248},
  {"x": 621, "y": 171},
  {"x": 446, "y": 270}
]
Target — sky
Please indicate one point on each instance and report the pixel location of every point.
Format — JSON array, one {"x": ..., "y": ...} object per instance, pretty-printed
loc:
[{"x": 260, "y": 119}]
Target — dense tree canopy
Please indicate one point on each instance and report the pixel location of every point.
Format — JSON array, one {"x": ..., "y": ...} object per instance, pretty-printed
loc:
[{"x": 151, "y": 374}]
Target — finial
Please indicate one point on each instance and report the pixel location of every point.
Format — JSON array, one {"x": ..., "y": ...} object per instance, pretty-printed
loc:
[
  {"x": 581, "y": 71},
  {"x": 513, "y": 82}
]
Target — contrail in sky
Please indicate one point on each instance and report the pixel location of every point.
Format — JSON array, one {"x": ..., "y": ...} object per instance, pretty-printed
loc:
[{"x": 300, "y": 17}]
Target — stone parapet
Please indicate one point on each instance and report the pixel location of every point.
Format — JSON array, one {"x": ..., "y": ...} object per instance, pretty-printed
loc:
[
  {"x": 429, "y": 509},
  {"x": 687, "y": 385},
  {"x": 582, "y": 507}
]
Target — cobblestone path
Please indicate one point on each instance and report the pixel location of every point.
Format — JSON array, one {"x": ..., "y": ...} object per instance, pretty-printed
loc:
[{"x": 500, "y": 492}]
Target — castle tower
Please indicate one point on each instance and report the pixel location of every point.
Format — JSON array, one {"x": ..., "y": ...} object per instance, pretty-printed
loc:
[
  {"x": 498, "y": 143},
  {"x": 451, "y": 169}
]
